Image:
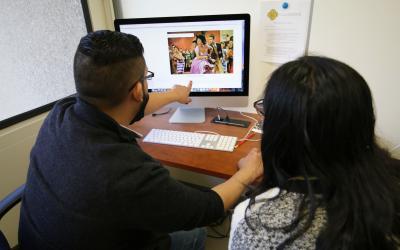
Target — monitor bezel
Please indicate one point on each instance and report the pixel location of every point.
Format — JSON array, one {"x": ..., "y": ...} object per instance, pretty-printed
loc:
[{"x": 227, "y": 17}]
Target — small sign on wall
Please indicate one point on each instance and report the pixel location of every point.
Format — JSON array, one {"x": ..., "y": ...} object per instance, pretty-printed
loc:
[{"x": 285, "y": 28}]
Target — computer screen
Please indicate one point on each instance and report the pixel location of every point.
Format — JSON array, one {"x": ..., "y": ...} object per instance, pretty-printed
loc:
[{"x": 211, "y": 51}]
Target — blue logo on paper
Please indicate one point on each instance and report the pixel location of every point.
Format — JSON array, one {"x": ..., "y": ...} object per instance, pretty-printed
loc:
[{"x": 285, "y": 5}]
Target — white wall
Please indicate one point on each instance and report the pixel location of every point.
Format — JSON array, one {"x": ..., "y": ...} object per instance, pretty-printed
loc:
[
  {"x": 366, "y": 35},
  {"x": 362, "y": 33}
]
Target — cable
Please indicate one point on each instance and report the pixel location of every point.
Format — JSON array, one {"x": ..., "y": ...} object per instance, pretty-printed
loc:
[
  {"x": 218, "y": 235},
  {"x": 250, "y": 139},
  {"x": 221, "y": 235},
  {"x": 205, "y": 131},
  {"x": 254, "y": 119},
  {"x": 162, "y": 113},
  {"x": 248, "y": 132}
]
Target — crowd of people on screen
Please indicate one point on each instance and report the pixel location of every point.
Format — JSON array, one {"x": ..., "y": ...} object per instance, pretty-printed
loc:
[{"x": 205, "y": 56}]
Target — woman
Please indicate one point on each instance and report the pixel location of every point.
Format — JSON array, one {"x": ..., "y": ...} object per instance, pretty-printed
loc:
[
  {"x": 200, "y": 64},
  {"x": 327, "y": 184}
]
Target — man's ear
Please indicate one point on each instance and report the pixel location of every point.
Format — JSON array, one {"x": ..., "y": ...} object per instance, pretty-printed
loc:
[{"x": 137, "y": 92}]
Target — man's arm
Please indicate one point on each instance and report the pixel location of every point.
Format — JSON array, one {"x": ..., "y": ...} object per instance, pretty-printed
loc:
[
  {"x": 146, "y": 197},
  {"x": 178, "y": 93}
]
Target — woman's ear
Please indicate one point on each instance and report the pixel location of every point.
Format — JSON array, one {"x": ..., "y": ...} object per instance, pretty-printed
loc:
[{"x": 137, "y": 92}]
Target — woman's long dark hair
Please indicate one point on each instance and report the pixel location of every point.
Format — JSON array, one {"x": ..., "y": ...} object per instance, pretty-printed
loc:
[{"x": 319, "y": 122}]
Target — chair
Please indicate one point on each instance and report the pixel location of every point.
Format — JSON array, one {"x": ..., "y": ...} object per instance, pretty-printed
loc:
[{"x": 5, "y": 205}]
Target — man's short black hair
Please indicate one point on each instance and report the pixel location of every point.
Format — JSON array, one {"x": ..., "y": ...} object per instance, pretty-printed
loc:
[{"x": 106, "y": 65}]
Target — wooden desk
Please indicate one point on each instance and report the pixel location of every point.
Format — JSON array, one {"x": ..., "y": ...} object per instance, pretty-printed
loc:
[{"x": 211, "y": 162}]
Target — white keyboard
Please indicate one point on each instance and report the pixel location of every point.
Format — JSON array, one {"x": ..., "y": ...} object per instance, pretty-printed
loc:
[{"x": 191, "y": 139}]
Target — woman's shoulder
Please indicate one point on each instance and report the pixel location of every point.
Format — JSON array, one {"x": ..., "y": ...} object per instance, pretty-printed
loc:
[
  {"x": 240, "y": 209},
  {"x": 275, "y": 208}
]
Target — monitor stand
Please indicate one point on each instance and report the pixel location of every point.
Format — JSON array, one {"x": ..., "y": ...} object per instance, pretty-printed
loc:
[{"x": 188, "y": 115}]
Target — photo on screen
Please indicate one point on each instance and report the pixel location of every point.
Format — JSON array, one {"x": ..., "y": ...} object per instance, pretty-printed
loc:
[{"x": 201, "y": 52}]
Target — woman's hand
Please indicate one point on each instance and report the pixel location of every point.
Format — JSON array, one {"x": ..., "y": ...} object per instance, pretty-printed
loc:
[{"x": 250, "y": 167}]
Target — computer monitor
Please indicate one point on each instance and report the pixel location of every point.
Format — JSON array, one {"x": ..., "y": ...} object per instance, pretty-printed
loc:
[{"x": 212, "y": 51}]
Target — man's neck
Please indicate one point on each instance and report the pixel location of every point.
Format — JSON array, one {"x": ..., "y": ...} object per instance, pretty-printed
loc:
[{"x": 120, "y": 114}]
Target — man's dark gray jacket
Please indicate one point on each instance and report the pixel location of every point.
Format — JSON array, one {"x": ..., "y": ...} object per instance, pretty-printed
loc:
[{"x": 91, "y": 186}]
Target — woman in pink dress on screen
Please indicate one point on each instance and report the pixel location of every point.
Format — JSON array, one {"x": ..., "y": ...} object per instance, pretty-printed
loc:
[{"x": 200, "y": 64}]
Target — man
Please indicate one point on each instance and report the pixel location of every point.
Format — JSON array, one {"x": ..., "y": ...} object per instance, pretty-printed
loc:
[
  {"x": 216, "y": 54},
  {"x": 90, "y": 185}
]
